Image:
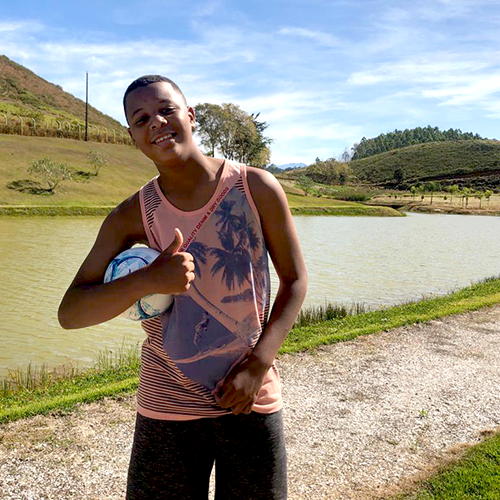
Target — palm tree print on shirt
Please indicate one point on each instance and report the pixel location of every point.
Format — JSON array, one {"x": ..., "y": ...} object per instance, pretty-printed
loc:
[{"x": 236, "y": 259}]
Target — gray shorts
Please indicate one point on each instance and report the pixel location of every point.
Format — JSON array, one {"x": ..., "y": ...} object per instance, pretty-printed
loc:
[{"x": 174, "y": 459}]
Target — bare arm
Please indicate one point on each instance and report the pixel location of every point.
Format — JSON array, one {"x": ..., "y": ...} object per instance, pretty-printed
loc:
[
  {"x": 88, "y": 301},
  {"x": 241, "y": 387}
]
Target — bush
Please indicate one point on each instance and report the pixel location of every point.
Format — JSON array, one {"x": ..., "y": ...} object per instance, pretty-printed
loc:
[{"x": 50, "y": 173}]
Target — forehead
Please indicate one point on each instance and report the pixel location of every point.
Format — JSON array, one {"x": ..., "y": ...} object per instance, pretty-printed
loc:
[{"x": 151, "y": 94}]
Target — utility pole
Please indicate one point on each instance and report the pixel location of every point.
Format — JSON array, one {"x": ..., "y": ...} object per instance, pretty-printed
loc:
[{"x": 86, "y": 105}]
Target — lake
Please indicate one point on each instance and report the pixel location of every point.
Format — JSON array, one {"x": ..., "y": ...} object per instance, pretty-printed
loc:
[{"x": 372, "y": 260}]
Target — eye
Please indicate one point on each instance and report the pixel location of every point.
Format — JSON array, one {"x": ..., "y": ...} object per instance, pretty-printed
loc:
[
  {"x": 167, "y": 111},
  {"x": 141, "y": 120}
]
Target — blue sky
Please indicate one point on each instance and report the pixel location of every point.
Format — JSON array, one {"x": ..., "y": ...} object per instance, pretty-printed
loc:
[{"x": 323, "y": 74}]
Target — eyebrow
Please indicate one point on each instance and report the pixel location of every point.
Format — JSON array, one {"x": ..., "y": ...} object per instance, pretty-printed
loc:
[{"x": 163, "y": 101}]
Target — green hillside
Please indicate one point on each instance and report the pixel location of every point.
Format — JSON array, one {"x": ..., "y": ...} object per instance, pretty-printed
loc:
[
  {"x": 43, "y": 105},
  {"x": 128, "y": 170},
  {"x": 475, "y": 163}
]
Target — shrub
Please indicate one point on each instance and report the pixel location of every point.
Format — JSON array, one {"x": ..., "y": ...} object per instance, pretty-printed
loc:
[{"x": 50, "y": 173}]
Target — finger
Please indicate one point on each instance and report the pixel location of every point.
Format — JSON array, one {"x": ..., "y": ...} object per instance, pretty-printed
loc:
[
  {"x": 176, "y": 242},
  {"x": 242, "y": 407},
  {"x": 227, "y": 400}
]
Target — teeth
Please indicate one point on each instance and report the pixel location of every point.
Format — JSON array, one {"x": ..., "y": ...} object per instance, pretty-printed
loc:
[{"x": 163, "y": 138}]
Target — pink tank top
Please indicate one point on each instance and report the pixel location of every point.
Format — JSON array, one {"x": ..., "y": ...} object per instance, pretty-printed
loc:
[{"x": 192, "y": 346}]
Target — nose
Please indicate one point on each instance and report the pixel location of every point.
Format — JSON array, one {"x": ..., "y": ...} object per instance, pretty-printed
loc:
[{"x": 158, "y": 121}]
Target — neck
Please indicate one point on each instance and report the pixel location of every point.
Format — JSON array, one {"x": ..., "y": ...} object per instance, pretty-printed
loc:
[{"x": 188, "y": 174}]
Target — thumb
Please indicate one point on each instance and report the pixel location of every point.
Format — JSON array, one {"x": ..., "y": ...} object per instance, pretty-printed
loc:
[{"x": 176, "y": 242}]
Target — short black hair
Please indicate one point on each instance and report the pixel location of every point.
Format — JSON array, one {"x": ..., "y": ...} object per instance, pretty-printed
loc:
[{"x": 146, "y": 80}]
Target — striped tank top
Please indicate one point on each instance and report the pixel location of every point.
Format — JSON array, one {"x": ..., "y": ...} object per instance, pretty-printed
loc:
[{"x": 191, "y": 347}]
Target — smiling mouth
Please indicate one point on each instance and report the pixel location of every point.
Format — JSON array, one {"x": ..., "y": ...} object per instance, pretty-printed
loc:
[{"x": 163, "y": 138}]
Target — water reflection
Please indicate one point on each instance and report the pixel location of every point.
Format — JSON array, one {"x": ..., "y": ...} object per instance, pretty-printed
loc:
[{"x": 376, "y": 261}]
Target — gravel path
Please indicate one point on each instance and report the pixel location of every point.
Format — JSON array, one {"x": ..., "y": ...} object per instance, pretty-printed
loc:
[{"x": 362, "y": 418}]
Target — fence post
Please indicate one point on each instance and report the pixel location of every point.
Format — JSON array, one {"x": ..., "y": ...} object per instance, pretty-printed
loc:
[
  {"x": 114, "y": 136},
  {"x": 21, "y": 123}
]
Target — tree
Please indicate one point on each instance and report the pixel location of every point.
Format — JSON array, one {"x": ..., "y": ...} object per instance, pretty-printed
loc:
[
  {"x": 304, "y": 183},
  {"x": 210, "y": 120},
  {"x": 232, "y": 132},
  {"x": 487, "y": 195},
  {"x": 453, "y": 190},
  {"x": 479, "y": 195},
  {"x": 413, "y": 190},
  {"x": 50, "y": 173},
  {"x": 97, "y": 160},
  {"x": 399, "y": 175},
  {"x": 345, "y": 157},
  {"x": 466, "y": 192},
  {"x": 432, "y": 187}
]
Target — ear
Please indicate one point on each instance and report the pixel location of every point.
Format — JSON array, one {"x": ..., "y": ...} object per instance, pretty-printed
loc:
[
  {"x": 192, "y": 117},
  {"x": 131, "y": 136}
]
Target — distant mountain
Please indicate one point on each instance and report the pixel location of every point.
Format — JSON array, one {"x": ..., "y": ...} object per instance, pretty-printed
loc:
[
  {"x": 290, "y": 166},
  {"x": 25, "y": 94}
]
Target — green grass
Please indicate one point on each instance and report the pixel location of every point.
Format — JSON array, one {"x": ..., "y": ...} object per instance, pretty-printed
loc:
[
  {"x": 23, "y": 397},
  {"x": 433, "y": 159},
  {"x": 311, "y": 205},
  {"x": 337, "y": 330},
  {"x": 475, "y": 476},
  {"x": 127, "y": 171},
  {"x": 38, "y": 390},
  {"x": 363, "y": 211},
  {"x": 53, "y": 211}
]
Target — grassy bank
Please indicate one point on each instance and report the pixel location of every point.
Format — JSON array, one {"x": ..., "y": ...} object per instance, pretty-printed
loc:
[
  {"x": 355, "y": 211},
  {"x": 475, "y": 476},
  {"x": 118, "y": 376},
  {"x": 54, "y": 211}
]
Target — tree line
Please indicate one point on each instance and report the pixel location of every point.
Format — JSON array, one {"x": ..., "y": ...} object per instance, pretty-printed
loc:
[
  {"x": 403, "y": 138},
  {"x": 432, "y": 187},
  {"x": 231, "y": 132}
]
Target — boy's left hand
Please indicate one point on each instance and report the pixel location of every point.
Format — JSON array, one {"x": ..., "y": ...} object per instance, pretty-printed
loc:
[{"x": 242, "y": 385}]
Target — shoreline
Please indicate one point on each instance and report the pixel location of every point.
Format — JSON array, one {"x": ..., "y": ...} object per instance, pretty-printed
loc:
[
  {"x": 120, "y": 376},
  {"x": 414, "y": 206},
  {"x": 68, "y": 211}
]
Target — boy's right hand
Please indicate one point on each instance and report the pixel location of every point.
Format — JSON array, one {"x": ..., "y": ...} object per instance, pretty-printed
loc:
[{"x": 172, "y": 271}]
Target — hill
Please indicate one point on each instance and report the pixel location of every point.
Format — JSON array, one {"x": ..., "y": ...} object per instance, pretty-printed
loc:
[
  {"x": 403, "y": 138},
  {"x": 473, "y": 163},
  {"x": 128, "y": 170},
  {"x": 24, "y": 94}
]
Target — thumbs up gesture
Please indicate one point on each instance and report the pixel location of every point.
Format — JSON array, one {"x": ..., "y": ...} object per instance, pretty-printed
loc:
[{"x": 172, "y": 271}]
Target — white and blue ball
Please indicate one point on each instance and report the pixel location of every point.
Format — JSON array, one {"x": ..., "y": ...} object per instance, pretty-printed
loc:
[{"x": 127, "y": 262}]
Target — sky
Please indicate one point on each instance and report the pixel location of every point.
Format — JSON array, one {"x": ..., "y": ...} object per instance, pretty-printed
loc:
[{"x": 322, "y": 74}]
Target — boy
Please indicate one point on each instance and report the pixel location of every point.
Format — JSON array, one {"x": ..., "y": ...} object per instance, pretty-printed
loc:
[{"x": 209, "y": 390}]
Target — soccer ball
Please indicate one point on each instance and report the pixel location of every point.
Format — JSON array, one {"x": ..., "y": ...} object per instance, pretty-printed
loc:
[{"x": 127, "y": 262}]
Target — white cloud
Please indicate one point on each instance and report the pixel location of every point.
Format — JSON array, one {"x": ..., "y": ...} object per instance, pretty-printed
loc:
[
  {"x": 320, "y": 37},
  {"x": 26, "y": 26}
]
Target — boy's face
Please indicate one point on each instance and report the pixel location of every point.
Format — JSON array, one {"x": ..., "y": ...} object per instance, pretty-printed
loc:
[{"x": 160, "y": 123}]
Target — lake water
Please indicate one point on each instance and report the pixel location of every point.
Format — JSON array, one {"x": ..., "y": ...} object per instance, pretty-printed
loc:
[{"x": 372, "y": 260}]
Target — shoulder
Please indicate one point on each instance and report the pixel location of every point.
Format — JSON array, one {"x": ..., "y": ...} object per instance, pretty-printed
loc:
[
  {"x": 125, "y": 221},
  {"x": 265, "y": 189}
]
